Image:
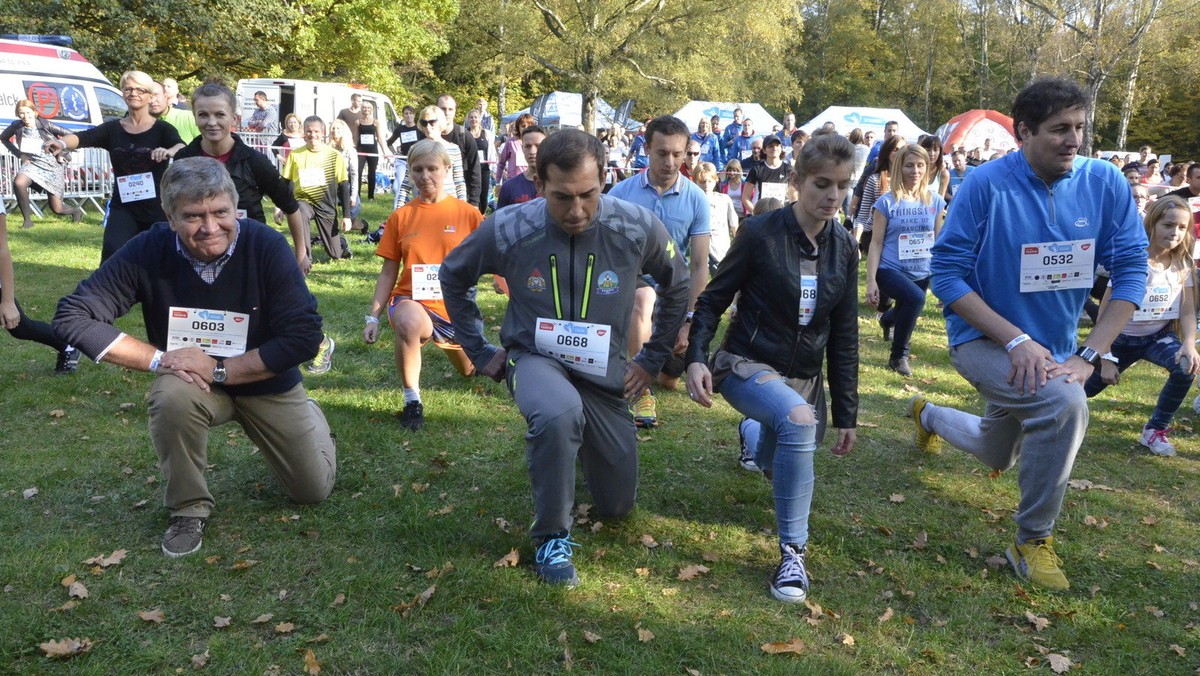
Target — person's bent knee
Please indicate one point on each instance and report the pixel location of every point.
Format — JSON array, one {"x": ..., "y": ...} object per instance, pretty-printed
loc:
[
  {"x": 558, "y": 419},
  {"x": 802, "y": 415},
  {"x": 172, "y": 399},
  {"x": 643, "y": 301}
]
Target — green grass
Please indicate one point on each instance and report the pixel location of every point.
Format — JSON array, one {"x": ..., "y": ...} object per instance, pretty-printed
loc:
[{"x": 379, "y": 535}]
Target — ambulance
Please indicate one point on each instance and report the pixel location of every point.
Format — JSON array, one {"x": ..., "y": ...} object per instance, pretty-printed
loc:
[
  {"x": 66, "y": 88},
  {"x": 308, "y": 97}
]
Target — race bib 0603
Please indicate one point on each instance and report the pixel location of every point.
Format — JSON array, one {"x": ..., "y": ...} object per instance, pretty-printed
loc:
[
  {"x": 580, "y": 346},
  {"x": 1052, "y": 266},
  {"x": 218, "y": 332}
]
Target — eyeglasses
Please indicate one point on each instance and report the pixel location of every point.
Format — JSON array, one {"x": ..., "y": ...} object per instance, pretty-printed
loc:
[
  {"x": 693, "y": 154},
  {"x": 428, "y": 123},
  {"x": 129, "y": 91}
]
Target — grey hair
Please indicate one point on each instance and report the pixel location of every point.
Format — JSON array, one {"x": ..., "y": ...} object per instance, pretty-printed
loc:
[
  {"x": 426, "y": 147},
  {"x": 193, "y": 179}
]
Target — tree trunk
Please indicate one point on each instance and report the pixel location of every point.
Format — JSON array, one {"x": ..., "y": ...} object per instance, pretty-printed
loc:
[
  {"x": 929, "y": 86},
  {"x": 1130, "y": 92},
  {"x": 984, "y": 66},
  {"x": 501, "y": 100},
  {"x": 590, "y": 93}
]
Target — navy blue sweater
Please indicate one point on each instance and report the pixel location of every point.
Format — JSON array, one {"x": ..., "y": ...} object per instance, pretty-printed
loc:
[{"x": 261, "y": 279}]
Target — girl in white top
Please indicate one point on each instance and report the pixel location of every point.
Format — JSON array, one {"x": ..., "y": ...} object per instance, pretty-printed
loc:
[
  {"x": 733, "y": 185},
  {"x": 723, "y": 217},
  {"x": 1163, "y": 328}
]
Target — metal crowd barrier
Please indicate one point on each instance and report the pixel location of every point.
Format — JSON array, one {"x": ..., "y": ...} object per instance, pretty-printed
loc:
[{"x": 87, "y": 181}]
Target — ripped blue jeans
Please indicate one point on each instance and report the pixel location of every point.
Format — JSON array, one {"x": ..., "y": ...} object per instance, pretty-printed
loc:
[
  {"x": 1159, "y": 349},
  {"x": 784, "y": 446}
]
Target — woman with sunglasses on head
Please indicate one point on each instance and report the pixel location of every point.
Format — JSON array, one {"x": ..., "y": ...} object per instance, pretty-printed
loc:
[
  {"x": 140, "y": 147},
  {"x": 25, "y": 138},
  {"x": 432, "y": 123},
  {"x": 291, "y": 138}
]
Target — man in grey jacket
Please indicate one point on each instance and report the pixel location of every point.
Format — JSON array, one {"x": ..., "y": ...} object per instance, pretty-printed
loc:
[{"x": 572, "y": 260}]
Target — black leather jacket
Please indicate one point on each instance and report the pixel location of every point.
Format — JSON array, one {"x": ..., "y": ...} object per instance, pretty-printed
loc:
[
  {"x": 255, "y": 176},
  {"x": 763, "y": 263}
]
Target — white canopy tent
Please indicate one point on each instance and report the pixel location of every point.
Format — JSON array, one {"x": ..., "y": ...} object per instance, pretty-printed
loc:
[
  {"x": 846, "y": 118},
  {"x": 694, "y": 110}
]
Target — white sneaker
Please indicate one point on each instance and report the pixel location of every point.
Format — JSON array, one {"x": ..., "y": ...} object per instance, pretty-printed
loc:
[{"x": 1156, "y": 441}]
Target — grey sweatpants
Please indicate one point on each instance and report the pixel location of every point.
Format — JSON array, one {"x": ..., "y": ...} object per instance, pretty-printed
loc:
[
  {"x": 1044, "y": 430},
  {"x": 568, "y": 418}
]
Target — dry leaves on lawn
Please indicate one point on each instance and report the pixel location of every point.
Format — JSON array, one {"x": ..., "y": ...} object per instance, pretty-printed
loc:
[
  {"x": 221, "y": 622},
  {"x": 284, "y": 627},
  {"x": 896, "y": 498},
  {"x": 200, "y": 661},
  {"x": 156, "y": 616},
  {"x": 106, "y": 561},
  {"x": 1038, "y": 623},
  {"x": 68, "y": 647},
  {"x": 645, "y": 635},
  {"x": 794, "y": 645},
  {"x": 29, "y": 492},
  {"x": 338, "y": 600},
  {"x": 509, "y": 560},
  {"x": 262, "y": 619},
  {"x": 590, "y": 637},
  {"x": 311, "y": 665},
  {"x": 77, "y": 590},
  {"x": 887, "y": 615},
  {"x": 647, "y": 541},
  {"x": 844, "y": 639},
  {"x": 691, "y": 572},
  {"x": 1059, "y": 664},
  {"x": 243, "y": 565}
]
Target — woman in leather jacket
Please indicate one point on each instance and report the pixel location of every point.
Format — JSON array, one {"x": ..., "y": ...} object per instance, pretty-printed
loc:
[
  {"x": 24, "y": 138},
  {"x": 797, "y": 272}
]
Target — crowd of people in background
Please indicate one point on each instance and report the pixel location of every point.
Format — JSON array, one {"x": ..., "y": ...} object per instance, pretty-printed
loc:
[{"x": 692, "y": 221}]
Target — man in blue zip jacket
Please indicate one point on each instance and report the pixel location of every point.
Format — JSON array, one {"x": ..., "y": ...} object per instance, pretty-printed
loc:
[
  {"x": 1013, "y": 265},
  {"x": 572, "y": 259}
]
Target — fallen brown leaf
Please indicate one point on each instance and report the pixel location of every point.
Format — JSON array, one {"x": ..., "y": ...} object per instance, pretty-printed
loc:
[
  {"x": 77, "y": 590},
  {"x": 156, "y": 616},
  {"x": 285, "y": 627},
  {"x": 691, "y": 572},
  {"x": 212, "y": 559},
  {"x": 502, "y": 524},
  {"x": 338, "y": 600},
  {"x": 896, "y": 497},
  {"x": 106, "y": 561},
  {"x": 590, "y": 637},
  {"x": 1038, "y": 623},
  {"x": 67, "y": 647},
  {"x": 311, "y": 665},
  {"x": 509, "y": 560},
  {"x": 262, "y": 619},
  {"x": 29, "y": 492},
  {"x": 221, "y": 622},
  {"x": 443, "y": 511},
  {"x": 57, "y": 413},
  {"x": 1178, "y": 650},
  {"x": 1149, "y": 520},
  {"x": 794, "y": 645},
  {"x": 887, "y": 615},
  {"x": 647, "y": 541},
  {"x": 922, "y": 540},
  {"x": 71, "y": 604},
  {"x": 1155, "y": 612},
  {"x": 200, "y": 661},
  {"x": 67, "y": 581},
  {"x": 243, "y": 565},
  {"x": 844, "y": 639},
  {"x": 645, "y": 635},
  {"x": 642, "y": 572},
  {"x": 320, "y": 638},
  {"x": 1058, "y": 663}
]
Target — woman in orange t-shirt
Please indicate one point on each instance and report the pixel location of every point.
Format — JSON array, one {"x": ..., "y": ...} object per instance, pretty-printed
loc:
[{"x": 417, "y": 236}]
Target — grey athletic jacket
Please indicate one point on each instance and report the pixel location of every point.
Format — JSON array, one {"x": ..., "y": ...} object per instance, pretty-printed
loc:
[{"x": 589, "y": 277}]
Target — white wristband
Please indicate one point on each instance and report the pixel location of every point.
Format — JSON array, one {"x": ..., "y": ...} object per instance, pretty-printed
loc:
[
  {"x": 1016, "y": 341},
  {"x": 371, "y": 320},
  {"x": 156, "y": 360}
]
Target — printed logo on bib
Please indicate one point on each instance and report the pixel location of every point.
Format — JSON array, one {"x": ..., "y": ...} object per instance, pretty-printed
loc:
[
  {"x": 241, "y": 213},
  {"x": 580, "y": 346},
  {"x": 425, "y": 283},
  {"x": 217, "y": 332},
  {"x": 136, "y": 187},
  {"x": 808, "y": 298},
  {"x": 1052, "y": 266},
  {"x": 450, "y": 228},
  {"x": 607, "y": 283}
]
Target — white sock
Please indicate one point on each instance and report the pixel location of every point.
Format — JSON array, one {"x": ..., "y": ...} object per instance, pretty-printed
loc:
[
  {"x": 925, "y": 416},
  {"x": 412, "y": 394}
]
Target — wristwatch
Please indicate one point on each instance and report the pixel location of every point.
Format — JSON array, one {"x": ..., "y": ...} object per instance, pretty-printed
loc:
[
  {"x": 1088, "y": 354},
  {"x": 219, "y": 373}
]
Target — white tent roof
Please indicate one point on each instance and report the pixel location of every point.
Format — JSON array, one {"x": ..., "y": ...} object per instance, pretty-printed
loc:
[
  {"x": 846, "y": 118},
  {"x": 694, "y": 110}
]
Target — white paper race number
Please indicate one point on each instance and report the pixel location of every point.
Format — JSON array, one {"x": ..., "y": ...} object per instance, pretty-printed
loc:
[
  {"x": 136, "y": 187},
  {"x": 218, "y": 333},
  {"x": 580, "y": 346},
  {"x": 1051, "y": 266},
  {"x": 425, "y": 282}
]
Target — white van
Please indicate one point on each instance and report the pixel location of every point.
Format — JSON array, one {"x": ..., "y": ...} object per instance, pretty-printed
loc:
[
  {"x": 306, "y": 97},
  {"x": 67, "y": 89}
]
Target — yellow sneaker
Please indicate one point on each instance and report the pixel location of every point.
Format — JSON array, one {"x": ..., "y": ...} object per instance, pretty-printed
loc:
[
  {"x": 924, "y": 439},
  {"x": 1036, "y": 562},
  {"x": 645, "y": 410}
]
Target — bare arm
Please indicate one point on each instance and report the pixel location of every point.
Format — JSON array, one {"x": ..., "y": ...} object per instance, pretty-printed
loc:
[
  {"x": 9, "y": 317},
  {"x": 878, "y": 232},
  {"x": 383, "y": 289},
  {"x": 299, "y": 242}
]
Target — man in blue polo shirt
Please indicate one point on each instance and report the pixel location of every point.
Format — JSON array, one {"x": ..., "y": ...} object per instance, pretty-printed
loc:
[{"x": 683, "y": 208}]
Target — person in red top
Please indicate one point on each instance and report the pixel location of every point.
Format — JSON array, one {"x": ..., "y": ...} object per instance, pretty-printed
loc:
[{"x": 418, "y": 236}]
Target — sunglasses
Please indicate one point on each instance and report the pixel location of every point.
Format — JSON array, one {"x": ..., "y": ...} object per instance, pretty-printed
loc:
[
  {"x": 135, "y": 90},
  {"x": 427, "y": 123},
  {"x": 693, "y": 154}
]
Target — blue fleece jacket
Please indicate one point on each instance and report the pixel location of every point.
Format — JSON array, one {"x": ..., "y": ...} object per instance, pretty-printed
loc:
[{"x": 1001, "y": 207}]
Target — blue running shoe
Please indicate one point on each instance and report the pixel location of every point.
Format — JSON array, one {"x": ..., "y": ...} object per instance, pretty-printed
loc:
[{"x": 553, "y": 561}]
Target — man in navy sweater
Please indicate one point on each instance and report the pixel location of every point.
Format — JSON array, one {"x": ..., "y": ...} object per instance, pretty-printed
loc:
[{"x": 228, "y": 320}]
